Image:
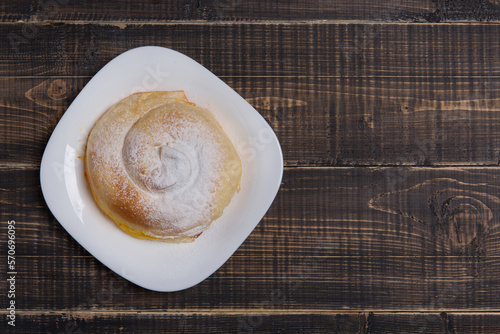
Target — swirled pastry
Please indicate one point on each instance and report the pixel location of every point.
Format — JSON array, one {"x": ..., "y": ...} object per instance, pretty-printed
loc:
[{"x": 161, "y": 167}]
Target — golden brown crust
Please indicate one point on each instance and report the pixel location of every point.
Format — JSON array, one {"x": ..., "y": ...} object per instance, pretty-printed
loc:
[{"x": 161, "y": 167}]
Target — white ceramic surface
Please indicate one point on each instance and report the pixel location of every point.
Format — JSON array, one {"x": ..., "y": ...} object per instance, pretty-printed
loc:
[{"x": 156, "y": 265}]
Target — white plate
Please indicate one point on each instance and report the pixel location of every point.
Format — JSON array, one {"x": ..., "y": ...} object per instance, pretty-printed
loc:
[{"x": 156, "y": 265}]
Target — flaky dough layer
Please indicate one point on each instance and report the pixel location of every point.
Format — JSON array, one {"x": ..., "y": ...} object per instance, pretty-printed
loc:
[{"x": 161, "y": 167}]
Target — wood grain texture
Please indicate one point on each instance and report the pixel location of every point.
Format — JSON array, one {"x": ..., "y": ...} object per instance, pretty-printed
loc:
[
  {"x": 250, "y": 10},
  {"x": 263, "y": 49},
  {"x": 335, "y": 239},
  {"x": 210, "y": 10},
  {"x": 357, "y": 241},
  {"x": 481, "y": 323},
  {"x": 71, "y": 10},
  {"x": 90, "y": 322},
  {"x": 464, "y": 10},
  {"x": 443, "y": 323},
  {"x": 319, "y": 121}
]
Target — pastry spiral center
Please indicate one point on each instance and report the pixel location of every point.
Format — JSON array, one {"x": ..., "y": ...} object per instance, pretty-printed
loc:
[
  {"x": 160, "y": 152},
  {"x": 177, "y": 168}
]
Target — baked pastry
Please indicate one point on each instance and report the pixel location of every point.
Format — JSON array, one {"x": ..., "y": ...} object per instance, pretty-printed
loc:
[{"x": 161, "y": 167}]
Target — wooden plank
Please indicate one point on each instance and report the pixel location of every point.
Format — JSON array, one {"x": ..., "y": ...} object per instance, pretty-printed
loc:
[
  {"x": 397, "y": 323},
  {"x": 30, "y": 110},
  {"x": 465, "y": 10},
  {"x": 369, "y": 199},
  {"x": 210, "y": 10},
  {"x": 393, "y": 10},
  {"x": 329, "y": 283},
  {"x": 249, "y": 10},
  {"x": 262, "y": 49},
  {"x": 480, "y": 323},
  {"x": 93, "y": 322},
  {"x": 255, "y": 322},
  {"x": 335, "y": 238},
  {"x": 470, "y": 323},
  {"x": 70, "y": 10},
  {"x": 319, "y": 121}
]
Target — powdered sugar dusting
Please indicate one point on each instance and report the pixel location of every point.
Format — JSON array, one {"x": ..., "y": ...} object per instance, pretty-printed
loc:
[
  {"x": 175, "y": 161},
  {"x": 168, "y": 155}
]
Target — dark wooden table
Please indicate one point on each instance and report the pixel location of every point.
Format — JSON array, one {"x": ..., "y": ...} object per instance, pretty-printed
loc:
[{"x": 388, "y": 112}]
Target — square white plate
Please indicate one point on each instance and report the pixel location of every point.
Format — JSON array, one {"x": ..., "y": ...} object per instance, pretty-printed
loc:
[{"x": 157, "y": 265}]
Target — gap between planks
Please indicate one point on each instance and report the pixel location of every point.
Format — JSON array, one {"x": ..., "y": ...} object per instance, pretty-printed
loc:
[
  {"x": 285, "y": 256},
  {"x": 124, "y": 24},
  {"x": 464, "y": 167},
  {"x": 212, "y": 312},
  {"x": 368, "y": 76}
]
